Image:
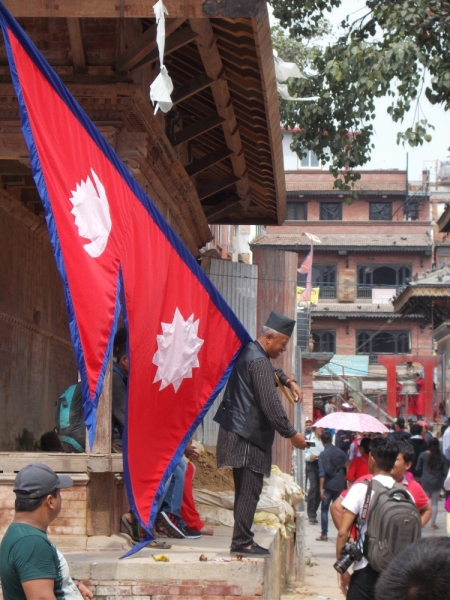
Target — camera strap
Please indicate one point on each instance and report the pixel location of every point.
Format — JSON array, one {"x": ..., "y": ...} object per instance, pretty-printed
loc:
[{"x": 365, "y": 509}]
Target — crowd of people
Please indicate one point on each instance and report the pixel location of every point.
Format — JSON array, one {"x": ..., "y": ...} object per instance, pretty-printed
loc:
[{"x": 339, "y": 469}]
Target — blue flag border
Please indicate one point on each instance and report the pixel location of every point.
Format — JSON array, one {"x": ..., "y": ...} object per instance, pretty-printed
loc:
[{"x": 7, "y": 22}]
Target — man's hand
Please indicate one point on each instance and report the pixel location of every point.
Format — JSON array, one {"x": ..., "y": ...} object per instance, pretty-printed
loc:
[
  {"x": 344, "y": 582},
  {"x": 322, "y": 494},
  {"x": 191, "y": 452},
  {"x": 298, "y": 441},
  {"x": 313, "y": 457},
  {"x": 84, "y": 591},
  {"x": 296, "y": 391}
]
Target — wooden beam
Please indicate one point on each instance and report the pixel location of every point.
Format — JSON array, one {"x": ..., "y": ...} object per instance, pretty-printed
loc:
[
  {"x": 76, "y": 43},
  {"x": 212, "y": 62},
  {"x": 143, "y": 46},
  {"x": 174, "y": 42},
  {"x": 13, "y": 167},
  {"x": 216, "y": 186},
  {"x": 133, "y": 8},
  {"x": 191, "y": 87},
  {"x": 223, "y": 209},
  {"x": 195, "y": 130},
  {"x": 203, "y": 163}
]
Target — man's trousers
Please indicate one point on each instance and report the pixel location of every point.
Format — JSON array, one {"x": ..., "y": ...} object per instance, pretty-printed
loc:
[
  {"x": 362, "y": 584},
  {"x": 247, "y": 488},
  {"x": 312, "y": 473}
]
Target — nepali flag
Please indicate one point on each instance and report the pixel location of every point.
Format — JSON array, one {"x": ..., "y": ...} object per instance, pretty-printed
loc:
[{"x": 110, "y": 241}]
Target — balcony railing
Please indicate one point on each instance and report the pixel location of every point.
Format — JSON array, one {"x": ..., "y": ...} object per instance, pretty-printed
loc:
[
  {"x": 327, "y": 291},
  {"x": 365, "y": 291}
]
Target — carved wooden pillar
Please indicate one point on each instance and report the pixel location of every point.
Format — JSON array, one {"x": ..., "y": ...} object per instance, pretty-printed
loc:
[
  {"x": 277, "y": 289},
  {"x": 131, "y": 148},
  {"x": 100, "y": 490}
]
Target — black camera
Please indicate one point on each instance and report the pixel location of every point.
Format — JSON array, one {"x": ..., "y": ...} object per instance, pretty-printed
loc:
[{"x": 349, "y": 553}]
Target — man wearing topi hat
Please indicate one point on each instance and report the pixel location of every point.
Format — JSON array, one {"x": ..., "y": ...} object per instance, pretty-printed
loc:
[
  {"x": 30, "y": 565},
  {"x": 248, "y": 416}
]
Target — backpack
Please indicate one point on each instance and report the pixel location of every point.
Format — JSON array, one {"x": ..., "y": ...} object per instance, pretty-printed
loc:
[
  {"x": 393, "y": 523},
  {"x": 69, "y": 418}
]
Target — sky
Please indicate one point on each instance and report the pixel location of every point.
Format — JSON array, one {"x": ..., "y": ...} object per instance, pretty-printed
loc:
[{"x": 387, "y": 154}]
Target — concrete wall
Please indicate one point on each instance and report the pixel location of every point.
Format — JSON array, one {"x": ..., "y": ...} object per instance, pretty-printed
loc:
[{"x": 36, "y": 357}]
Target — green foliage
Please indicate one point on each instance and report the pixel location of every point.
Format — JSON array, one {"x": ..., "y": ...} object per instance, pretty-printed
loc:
[{"x": 386, "y": 52}]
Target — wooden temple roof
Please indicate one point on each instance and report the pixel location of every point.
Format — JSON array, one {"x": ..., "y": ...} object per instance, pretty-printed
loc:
[
  {"x": 216, "y": 156},
  {"x": 427, "y": 295}
]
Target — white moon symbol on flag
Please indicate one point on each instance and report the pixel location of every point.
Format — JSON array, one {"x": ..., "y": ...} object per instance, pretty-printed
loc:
[
  {"x": 178, "y": 347},
  {"x": 91, "y": 211}
]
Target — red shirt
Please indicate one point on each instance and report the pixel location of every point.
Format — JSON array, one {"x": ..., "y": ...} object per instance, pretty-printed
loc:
[{"x": 358, "y": 467}]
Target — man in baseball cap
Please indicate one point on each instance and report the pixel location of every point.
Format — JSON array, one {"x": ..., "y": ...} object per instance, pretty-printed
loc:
[{"x": 30, "y": 565}]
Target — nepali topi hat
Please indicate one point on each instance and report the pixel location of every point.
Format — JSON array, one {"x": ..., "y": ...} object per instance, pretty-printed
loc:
[{"x": 280, "y": 323}]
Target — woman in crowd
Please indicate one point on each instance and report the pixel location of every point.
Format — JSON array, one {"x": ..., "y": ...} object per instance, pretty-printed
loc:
[{"x": 432, "y": 468}]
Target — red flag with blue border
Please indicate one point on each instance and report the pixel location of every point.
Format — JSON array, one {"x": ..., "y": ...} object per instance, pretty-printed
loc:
[{"x": 110, "y": 241}]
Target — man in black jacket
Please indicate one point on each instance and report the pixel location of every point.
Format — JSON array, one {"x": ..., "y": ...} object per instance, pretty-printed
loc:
[
  {"x": 248, "y": 416},
  {"x": 419, "y": 444},
  {"x": 332, "y": 478}
]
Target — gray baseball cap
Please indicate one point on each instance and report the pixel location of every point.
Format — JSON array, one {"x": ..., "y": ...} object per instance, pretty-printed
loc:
[{"x": 37, "y": 480}]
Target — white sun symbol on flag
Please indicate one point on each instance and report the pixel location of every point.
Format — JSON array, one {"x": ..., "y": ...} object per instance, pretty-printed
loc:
[{"x": 178, "y": 347}]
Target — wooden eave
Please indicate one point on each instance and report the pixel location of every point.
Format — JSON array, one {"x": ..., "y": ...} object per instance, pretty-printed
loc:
[
  {"x": 444, "y": 221},
  {"x": 222, "y": 68},
  {"x": 430, "y": 301}
]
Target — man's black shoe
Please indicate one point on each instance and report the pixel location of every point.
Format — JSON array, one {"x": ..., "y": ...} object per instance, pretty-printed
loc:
[
  {"x": 190, "y": 534},
  {"x": 254, "y": 551},
  {"x": 313, "y": 521}
]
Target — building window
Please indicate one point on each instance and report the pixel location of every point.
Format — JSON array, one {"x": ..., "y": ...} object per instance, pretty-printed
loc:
[
  {"x": 381, "y": 276},
  {"x": 331, "y": 211},
  {"x": 383, "y": 342},
  {"x": 310, "y": 160},
  {"x": 324, "y": 340},
  {"x": 380, "y": 211},
  {"x": 296, "y": 211},
  {"x": 323, "y": 277},
  {"x": 411, "y": 209}
]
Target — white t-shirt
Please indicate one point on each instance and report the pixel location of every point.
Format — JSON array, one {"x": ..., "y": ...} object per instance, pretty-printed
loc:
[
  {"x": 354, "y": 502},
  {"x": 68, "y": 586},
  {"x": 315, "y": 450}
]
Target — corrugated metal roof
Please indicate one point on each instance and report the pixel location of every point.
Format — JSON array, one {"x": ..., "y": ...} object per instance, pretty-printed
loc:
[
  {"x": 237, "y": 282},
  {"x": 348, "y": 240}
]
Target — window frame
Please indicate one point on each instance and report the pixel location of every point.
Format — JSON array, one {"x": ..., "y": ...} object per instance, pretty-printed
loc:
[
  {"x": 364, "y": 289},
  {"x": 398, "y": 336},
  {"x": 309, "y": 156},
  {"x": 326, "y": 291},
  {"x": 386, "y": 203},
  {"x": 296, "y": 204},
  {"x": 323, "y": 345},
  {"x": 334, "y": 203}
]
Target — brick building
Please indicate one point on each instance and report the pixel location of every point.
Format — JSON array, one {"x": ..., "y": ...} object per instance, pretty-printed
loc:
[{"x": 369, "y": 250}]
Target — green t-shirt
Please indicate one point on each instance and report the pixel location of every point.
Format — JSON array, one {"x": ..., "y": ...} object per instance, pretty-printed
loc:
[{"x": 26, "y": 554}]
